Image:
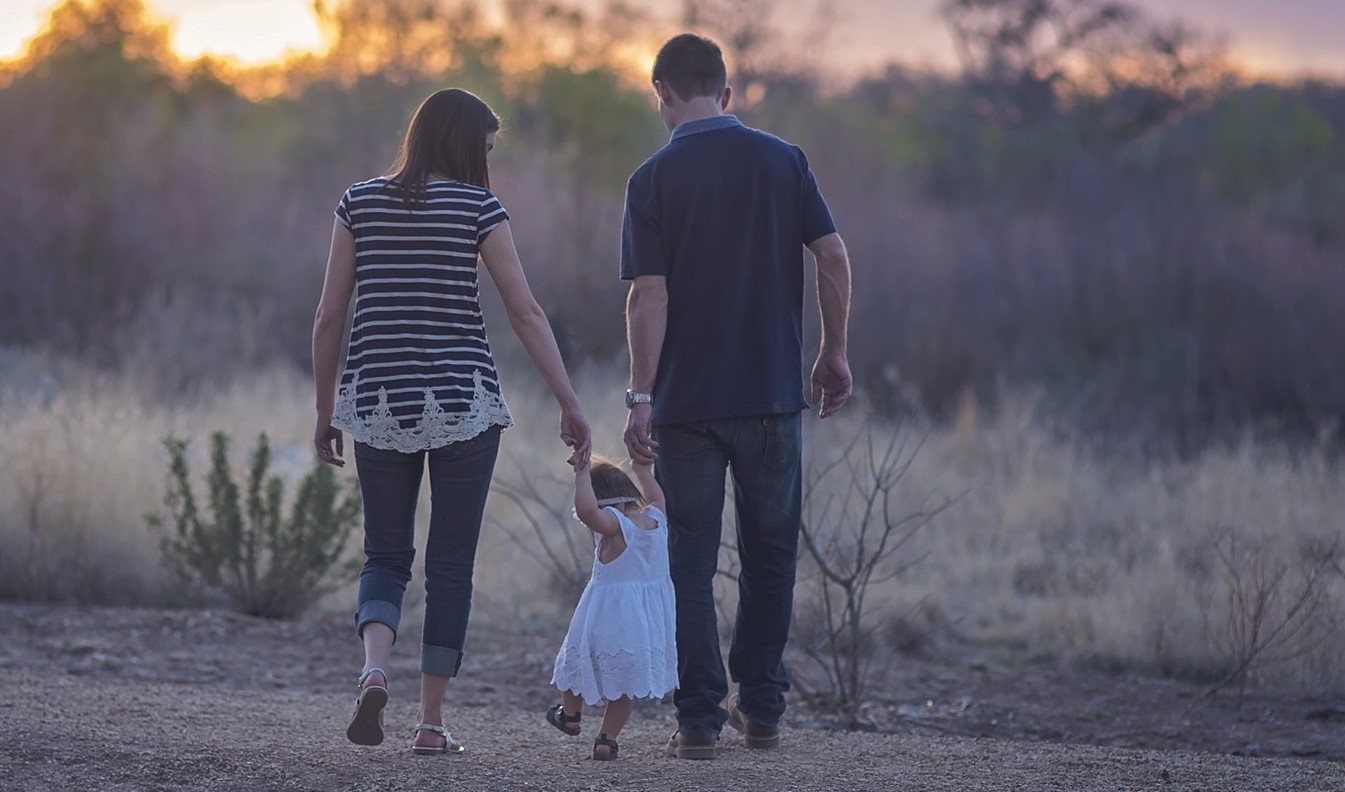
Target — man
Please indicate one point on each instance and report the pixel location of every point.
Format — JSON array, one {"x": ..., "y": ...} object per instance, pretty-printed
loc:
[{"x": 715, "y": 226}]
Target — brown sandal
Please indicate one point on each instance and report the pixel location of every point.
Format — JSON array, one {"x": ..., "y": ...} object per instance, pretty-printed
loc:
[
  {"x": 604, "y": 742},
  {"x": 567, "y": 723},
  {"x": 366, "y": 725}
]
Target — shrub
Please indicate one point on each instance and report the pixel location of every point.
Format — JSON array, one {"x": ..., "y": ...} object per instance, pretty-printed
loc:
[
  {"x": 544, "y": 503},
  {"x": 260, "y": 562},
  {"x": 857, "y": 539},
  {"x": 1278, "y": 601}
]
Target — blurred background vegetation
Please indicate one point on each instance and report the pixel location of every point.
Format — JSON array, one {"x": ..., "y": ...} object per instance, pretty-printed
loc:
[
  {"x": 1098, "y": 273},
  {"x": 1096, "y": 209}
]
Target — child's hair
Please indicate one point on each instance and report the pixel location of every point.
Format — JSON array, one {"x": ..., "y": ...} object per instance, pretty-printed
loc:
[{"x": 610, "y": 481}]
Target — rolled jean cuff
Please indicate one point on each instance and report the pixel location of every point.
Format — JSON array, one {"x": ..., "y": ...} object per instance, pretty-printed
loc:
[
  {"x": 380, "y": 611},
  {"x": 440, "y": 660}
]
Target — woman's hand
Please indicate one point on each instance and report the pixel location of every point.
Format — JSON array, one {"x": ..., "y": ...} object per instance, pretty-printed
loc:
[
  {"x": 575, "y": 433},
  {"x": 327, "y": 441}
]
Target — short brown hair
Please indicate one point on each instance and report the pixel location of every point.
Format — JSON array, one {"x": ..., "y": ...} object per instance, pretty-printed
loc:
[
  {"x": 692, "y": 66},
  {"x": 610, "y": 481}
]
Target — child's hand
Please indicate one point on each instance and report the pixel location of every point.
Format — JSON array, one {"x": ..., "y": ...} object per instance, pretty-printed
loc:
[
  {"x": 641, "y": 464},
  {"x": 577, "y": 461}
]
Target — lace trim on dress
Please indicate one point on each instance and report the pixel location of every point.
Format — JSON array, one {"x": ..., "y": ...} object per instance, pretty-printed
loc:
[
  {"x": 647, "y": 673},
  {"x": 434, "y": 429}
]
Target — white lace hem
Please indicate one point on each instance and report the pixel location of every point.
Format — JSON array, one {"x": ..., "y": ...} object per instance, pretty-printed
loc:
[
  {"x": 434, "y": 429},
  {"x": 599, "y": 675}
]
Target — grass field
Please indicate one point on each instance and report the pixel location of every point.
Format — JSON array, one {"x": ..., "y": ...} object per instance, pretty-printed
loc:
[{"x": 1047, "y": 551}]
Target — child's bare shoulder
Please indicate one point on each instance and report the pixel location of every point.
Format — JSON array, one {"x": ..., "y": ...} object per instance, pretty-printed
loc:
[{"x": 647, "y": 518}]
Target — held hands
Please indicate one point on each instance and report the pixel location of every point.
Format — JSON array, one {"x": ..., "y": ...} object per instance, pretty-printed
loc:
[
  {"x": 831, "y": 383},
  {"x": 575, "y": 433},
  {"x": 578, "y": 462},
  {"x": 640, "y": 443}
]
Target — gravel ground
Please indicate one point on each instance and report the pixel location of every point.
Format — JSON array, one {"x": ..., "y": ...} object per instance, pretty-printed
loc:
[{"x": 120, "y": 699}]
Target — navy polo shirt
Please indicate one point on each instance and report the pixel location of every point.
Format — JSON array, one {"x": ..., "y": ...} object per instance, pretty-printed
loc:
[{"x": 723, "y": 212}]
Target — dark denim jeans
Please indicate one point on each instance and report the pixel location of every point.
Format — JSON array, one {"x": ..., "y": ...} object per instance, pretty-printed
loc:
[
  {"x": 764, "y": 456},
  {"x": 460, "y": 476}
]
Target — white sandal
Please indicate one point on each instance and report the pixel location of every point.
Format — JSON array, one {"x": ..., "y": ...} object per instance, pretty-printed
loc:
[
  {"x": 366, "y": 725},
  {"x": 450, "y": 745}
]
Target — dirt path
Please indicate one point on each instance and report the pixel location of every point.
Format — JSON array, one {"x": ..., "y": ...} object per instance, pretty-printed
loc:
[{"x": 143, "y": 700}]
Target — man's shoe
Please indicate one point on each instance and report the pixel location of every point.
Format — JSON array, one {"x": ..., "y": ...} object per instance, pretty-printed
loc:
[
  {"x": 692, "y": 746},
  {"x": 757, "y": 735}
]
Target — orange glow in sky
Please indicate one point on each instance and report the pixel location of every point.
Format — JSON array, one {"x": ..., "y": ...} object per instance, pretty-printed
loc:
[
  {"x": 1270, "y": 36},
  {"x": 253, "y": 31},
  {"x": 250, "y": 31}
]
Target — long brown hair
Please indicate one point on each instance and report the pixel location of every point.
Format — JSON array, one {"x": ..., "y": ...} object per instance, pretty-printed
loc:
[
  {"x": 447, "y": 136},
  {"x": 610, "y": 481}
]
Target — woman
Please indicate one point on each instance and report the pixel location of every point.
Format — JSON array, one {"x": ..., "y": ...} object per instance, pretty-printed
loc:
[{"x": 420, "y": 382}]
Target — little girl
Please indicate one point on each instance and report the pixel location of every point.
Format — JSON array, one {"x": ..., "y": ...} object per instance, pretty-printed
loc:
[{"x": 620, "y": 645}]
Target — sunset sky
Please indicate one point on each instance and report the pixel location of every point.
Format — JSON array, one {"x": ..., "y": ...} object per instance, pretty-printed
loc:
[{"x": 1269, "y": 36}]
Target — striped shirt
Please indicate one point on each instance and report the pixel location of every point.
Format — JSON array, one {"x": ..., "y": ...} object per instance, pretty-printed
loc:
[{"x": 419, "y": 373}]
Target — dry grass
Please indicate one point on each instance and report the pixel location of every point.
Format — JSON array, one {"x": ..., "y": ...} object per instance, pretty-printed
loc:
[{"x": 1051, "y": 551}]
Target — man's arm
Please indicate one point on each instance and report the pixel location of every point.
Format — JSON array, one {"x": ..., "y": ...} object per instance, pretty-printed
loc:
[
  {"x": 646, "y": 324},
  {"x": 831, "y": 380}
]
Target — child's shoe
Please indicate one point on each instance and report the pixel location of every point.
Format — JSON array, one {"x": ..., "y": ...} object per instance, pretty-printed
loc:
[
  {"x": 604, "y": 749},
  {"x": 567, "y": 723}
]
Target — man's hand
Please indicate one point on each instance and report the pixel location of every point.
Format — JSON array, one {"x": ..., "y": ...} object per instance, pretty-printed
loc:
[
  {"x": 832, "y": 383},
  {"x": 640, "y": 443}
]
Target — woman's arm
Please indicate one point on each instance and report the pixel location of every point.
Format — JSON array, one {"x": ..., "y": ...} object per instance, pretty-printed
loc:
[
  {"x": 329, "y": 325},
  {"x": 530, "y": 325},
  {"x": 598, "y": 519},
  {"x": 649, "y": 486}
]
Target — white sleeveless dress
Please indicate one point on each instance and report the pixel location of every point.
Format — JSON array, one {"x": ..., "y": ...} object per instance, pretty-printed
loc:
[{"x": 621, "y": 637}]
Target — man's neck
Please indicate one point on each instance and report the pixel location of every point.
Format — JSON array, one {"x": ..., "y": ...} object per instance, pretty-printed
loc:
[{"x": 698, "y": 109}]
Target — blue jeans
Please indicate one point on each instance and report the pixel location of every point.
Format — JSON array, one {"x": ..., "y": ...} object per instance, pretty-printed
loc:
[
  {"x": 764, "y": 456},
  {"x": 460, "y": 475}
]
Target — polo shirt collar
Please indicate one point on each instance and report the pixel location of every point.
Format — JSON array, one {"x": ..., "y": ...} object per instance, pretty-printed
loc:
[{"x": 705, "y": 125}]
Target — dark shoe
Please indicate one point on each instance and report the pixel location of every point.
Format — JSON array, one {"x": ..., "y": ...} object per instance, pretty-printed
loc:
[
  {"x": 366, "y": 725},
  {"x": 604, "y": 742},
  {"x": 757, "y": 735},
  {"x": 693, "y": 746},
  {"x": 570, "y": 724}
]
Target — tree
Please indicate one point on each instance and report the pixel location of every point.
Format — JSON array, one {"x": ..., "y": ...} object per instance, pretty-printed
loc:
[
  {"x": 98, "y": 66},
  {"x": 407, "y": 40},
  {"x": 1025, "y": 55}
]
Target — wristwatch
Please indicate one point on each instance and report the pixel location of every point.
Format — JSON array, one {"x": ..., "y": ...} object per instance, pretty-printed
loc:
[{"x": 635, "y": 397}]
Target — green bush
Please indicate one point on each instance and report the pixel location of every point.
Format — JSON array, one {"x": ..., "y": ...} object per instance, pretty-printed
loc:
[{"x": 246, "y": 551}]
